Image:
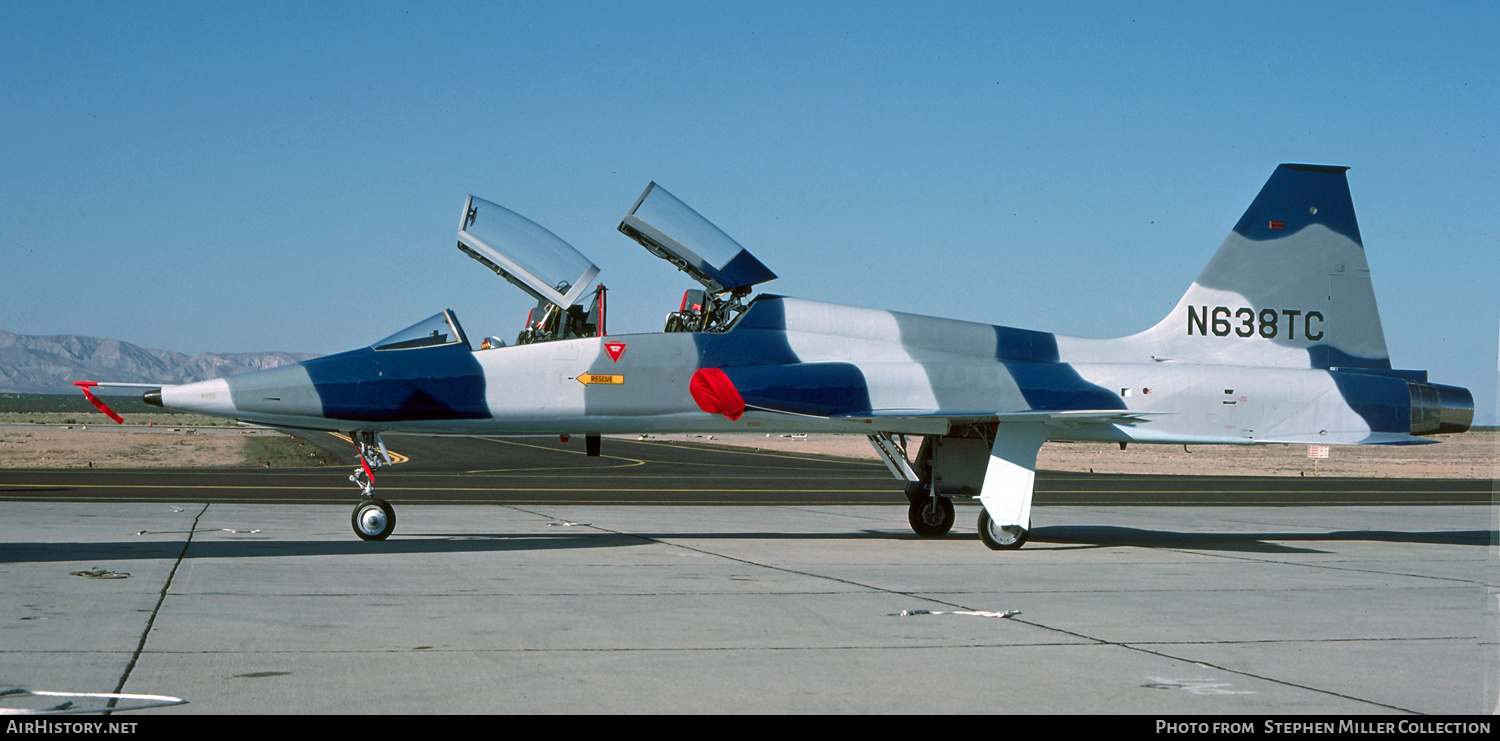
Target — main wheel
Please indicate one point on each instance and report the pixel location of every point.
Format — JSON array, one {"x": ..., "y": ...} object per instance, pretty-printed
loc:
[
  {"x": 931, "y": 517},
  {"x": 373, "y": 519},
  {"x": 998, "y": 538}
]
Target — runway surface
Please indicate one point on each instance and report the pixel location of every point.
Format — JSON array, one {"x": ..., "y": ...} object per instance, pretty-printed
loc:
[
  {"x": 448, "y": 470},
  {"x": 662, "y": 579}
]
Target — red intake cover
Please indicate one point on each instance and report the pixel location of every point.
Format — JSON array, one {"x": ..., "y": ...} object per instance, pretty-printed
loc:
[{"x": 715, "y": 393}]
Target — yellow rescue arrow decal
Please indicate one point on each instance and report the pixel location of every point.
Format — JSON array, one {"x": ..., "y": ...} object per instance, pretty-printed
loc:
[{"x": 589, "y": 378}]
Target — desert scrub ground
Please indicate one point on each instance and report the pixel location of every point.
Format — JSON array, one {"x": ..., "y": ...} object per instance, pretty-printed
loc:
[
  {"x": 175, "y": 446},
  {"x": 1471, "y": 455}
]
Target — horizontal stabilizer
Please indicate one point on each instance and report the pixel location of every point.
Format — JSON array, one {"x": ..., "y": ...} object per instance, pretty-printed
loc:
[{"x": 1349, "y": 438}]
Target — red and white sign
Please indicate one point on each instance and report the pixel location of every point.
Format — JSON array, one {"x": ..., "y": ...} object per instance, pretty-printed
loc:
[
  {"x": 1317, "y": 451},
  {"x": 615, "y": 350}
]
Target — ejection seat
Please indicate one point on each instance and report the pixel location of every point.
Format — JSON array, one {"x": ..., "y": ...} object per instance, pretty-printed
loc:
[{"x": 690, "y": 316}]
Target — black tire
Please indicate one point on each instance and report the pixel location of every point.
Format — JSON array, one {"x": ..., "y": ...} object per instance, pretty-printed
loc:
[
  {"x": 1000, "y": 538},
  {"x": 373, "y": 519},
  {"x": 931, "y": 517}
]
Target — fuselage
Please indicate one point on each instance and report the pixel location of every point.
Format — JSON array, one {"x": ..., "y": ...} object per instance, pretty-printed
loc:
[{"x": 805, "y": 366}]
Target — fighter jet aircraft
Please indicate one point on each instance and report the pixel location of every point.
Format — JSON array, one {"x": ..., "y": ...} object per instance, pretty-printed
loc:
[{"x": 1277, "y": 341}]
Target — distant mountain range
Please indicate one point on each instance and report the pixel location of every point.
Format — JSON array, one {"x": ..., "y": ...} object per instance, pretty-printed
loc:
[{"x": 39, "y": 364}]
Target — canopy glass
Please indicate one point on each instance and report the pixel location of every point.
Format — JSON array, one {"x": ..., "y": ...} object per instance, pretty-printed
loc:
[
  {"x": 673, "y": 231},
  {"x": 525, "y": 253}
]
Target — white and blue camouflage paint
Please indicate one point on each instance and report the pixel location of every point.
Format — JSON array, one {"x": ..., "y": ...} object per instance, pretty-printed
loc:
[{"x": 1277, "y": 341}]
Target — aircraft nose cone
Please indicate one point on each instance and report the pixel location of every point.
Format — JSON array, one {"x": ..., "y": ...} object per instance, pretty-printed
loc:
[{"x": 152, "y": 397}]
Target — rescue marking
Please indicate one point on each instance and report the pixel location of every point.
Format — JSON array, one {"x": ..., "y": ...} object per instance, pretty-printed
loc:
[
  {"x": 609, "y": 380},
  {"x": 1267, "y": 322}
]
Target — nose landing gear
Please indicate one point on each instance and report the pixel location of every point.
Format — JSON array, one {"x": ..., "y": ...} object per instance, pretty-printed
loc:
[{"x": 373, "y": 518}]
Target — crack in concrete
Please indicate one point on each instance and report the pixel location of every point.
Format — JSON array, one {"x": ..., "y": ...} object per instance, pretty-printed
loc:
[{"x": 161, "y": 598}]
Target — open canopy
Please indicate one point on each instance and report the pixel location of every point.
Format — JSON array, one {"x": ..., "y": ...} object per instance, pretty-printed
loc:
[
  {"x": 525, "y": 253},
  {"x": 673, "y": 231}
]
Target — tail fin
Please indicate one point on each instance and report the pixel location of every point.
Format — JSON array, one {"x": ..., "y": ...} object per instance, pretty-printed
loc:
[{"x": 1288, "y": 287}]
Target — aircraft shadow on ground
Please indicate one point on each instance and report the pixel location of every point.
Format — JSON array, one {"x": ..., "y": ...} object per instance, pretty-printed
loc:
[
  {"x": 1062, "y": 537},
  {"x": 263, "y": 547},
  {"x": 206, "y": 546},
  {"x": 1105, "y": 536}
]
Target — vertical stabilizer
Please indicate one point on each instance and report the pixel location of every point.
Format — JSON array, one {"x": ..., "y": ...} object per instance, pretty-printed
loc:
[{"x": 1289, "y": 286}]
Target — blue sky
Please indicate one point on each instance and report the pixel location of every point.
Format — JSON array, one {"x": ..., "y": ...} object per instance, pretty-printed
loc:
[{"x": 216, "y": 177}]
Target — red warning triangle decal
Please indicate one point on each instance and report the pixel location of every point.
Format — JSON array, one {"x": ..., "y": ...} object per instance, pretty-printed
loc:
[{"x": 615, "y": 350}]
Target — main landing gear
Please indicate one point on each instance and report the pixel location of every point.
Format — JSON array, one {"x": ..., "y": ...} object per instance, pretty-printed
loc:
[
  {"x": 996, "y": 461},
  {"x": 373, "y": 518},
  {"x": 930, "y": 515},
  {"x": 998, "y": 538}
]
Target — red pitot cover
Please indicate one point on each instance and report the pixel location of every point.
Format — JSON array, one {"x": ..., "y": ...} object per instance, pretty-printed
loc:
[{"x": 715, "y": 393}]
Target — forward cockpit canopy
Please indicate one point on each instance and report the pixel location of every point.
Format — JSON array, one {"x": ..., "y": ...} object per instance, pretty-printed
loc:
[{"x": 513, "y": 246}]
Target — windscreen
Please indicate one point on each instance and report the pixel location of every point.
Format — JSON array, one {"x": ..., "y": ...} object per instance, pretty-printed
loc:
[{"x": 438, "y": 329}]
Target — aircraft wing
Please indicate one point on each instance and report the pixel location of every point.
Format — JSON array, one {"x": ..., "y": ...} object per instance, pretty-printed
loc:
[
  {"x": 1057, "y": 418},
  {"x": 1070, "y": 416}
]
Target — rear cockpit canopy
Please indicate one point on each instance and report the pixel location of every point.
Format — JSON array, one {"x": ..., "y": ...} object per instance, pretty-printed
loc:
[{"x": 673, "y": 231}]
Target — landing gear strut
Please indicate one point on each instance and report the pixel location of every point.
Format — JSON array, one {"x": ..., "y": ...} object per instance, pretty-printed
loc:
[
  {"x": 930, "y": 514},
  {"x": 373, "y": 518}
]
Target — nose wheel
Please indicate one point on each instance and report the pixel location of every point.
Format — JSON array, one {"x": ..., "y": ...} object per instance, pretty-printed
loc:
[{"x": 373, "y": 519}]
